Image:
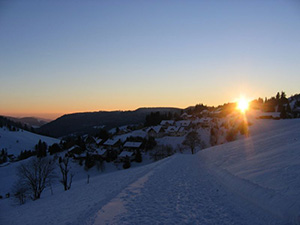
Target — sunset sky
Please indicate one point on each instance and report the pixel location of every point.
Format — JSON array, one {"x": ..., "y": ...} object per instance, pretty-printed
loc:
[{"x": 60, "y": 57}]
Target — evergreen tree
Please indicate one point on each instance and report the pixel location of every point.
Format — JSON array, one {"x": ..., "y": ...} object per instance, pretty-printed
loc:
[
  {"x": 213, "y": 137},
  {"x": 55, "y": 148},
  {"x": 138, "y": 156},
  {"x": 280, "y": 106},
  {"x": 41, "y": 149},
  {"x": 126, "y": 164},
  {"x": 283, "y": 114},
  {"x": 150, "y": 143},
  {"x": 288, "y": 108},
  {"x": 3, "y": 156},
  {"x": 89, "y": 162},
  {"x": 283, "y": 95},
  {"x": 277, "y": 97}
]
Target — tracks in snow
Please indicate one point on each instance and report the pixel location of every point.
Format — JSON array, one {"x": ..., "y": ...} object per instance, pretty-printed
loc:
[{"x": 179, "y": 191}]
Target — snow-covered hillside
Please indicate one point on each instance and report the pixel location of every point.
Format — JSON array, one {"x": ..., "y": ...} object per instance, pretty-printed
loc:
[
  {"x": 255, "y": 180},
  {"x": 17, "y": 141}
]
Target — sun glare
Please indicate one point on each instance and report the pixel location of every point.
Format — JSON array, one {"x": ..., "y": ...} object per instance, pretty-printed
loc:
[{"x": 242, "y": 105}]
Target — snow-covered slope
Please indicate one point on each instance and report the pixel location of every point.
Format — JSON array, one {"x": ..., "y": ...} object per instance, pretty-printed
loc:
[
  {"x": 264, "y": 168},
  {"x": 255, "y": 180},
  {"x": 17, "y": 141}
]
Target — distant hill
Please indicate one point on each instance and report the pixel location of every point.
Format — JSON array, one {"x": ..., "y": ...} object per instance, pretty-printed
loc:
[
  {"x": 30, "y": 121},
  {"x": 89, "y": 122}
]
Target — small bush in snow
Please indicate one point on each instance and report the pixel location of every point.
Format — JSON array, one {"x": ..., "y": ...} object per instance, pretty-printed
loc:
[{"x": 20, "y": 192}]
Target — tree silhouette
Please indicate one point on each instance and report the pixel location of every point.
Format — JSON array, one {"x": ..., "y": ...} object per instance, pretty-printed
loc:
[
  {"x": 67, "y": 177},
  {"x": 36, "y": 175},
  {"x": 283, "y": 114},
  {"x": 138, "y": 156},
  {"x": 192, "y": 140}
]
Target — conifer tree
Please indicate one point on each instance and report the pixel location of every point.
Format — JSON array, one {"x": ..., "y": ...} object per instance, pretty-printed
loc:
[
  {"x": 138, "y": 156},
  {"x": 283, "y": 114}
]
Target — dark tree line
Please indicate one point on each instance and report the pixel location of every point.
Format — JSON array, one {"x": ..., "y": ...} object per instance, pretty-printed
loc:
[
  {"x": 278, "y": 103},
  {"x": 196, "y": 109},
  {"x": 155, "y": 118},
  {"x": 26, "y": 154}
]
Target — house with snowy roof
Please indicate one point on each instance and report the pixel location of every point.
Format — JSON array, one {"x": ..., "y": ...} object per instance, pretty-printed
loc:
[
  {"x": 102, "y": 152},
  {"x": 124, "y": 154},
  {"x": 89, "y": 139},
  {"x": 156, "y": 131},
  {"x": 183, "y": 123},
  {"x": 186, "y": 116},
  {"x": 74, "y": 150},
  {"x": 166, "y": 123},
  {"x": 132, "y": 146},
  {"x": 181, "y": 132},
  {"x": 98, "y": 141},
  {"x": 112, "y": 144},
  {"x": 175, "y": 131},
  {"x": 172, "y": 130}
]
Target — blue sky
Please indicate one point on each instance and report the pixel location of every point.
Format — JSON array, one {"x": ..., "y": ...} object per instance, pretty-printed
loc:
[{"x": 66, "y": 56}]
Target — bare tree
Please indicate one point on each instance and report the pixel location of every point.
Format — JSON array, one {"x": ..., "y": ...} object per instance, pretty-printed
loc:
[
  {"x": 192, "y": 140},
  {"x": 20, "y": 192},
  {"x": 67, "y": 177},
  {"x": 35, "y": 175}
]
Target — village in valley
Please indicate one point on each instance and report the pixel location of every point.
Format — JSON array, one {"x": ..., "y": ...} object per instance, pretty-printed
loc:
[{"x": 130, "y": 144}]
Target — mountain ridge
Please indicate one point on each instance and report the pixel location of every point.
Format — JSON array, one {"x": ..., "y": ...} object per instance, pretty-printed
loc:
[{"x": 85, "y": 122}]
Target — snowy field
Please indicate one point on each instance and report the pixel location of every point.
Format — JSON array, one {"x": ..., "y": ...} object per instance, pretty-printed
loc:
[
  {"x": 254, "y": 180},
  {"x": 17, "y": 141}
]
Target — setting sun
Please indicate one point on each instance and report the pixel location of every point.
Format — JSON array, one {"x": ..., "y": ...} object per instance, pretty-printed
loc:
[{"x": 242, "y": 105}]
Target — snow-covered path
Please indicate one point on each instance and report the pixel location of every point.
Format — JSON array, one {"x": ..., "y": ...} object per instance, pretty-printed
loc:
[{"x": 180, "y": 191}]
